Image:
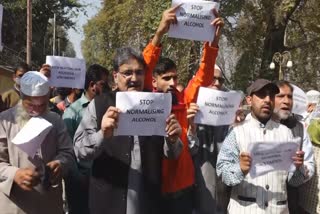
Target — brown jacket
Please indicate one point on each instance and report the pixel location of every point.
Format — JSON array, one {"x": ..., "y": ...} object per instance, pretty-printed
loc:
[{"x": 9, "y": 99}]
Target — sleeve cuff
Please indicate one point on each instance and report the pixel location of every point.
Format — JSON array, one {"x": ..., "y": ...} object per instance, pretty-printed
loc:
[
  {"x": 154, "y": 50},
  {"x": 172, "y": 150}
]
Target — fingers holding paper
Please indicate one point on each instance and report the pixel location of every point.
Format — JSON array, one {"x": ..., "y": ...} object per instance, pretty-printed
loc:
[
  {"x": 245, "y": 162},
  {"x": 109, "y": 121},
  {"x": 173, "y": 129},
  {"x": 218, "y": 23}
]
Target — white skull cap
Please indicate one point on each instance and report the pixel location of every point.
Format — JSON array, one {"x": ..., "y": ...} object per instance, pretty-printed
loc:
[
  {"x": 34, "y": 84},
  {"x": 313, "y": 96}
]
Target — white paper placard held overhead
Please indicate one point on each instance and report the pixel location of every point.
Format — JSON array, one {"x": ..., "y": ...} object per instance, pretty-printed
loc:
[
  {"x": 142, "y": 113},
  {"x": 194, "y": 20},
  {"x": 1, "y": 14},
  {"x": 271, "y": 156},
  {"x": 67, "y": 72},
  {"x": 31, "y": 136},
  {"x": 217, "y": 107},
  {"x": 300, "y": 101}
]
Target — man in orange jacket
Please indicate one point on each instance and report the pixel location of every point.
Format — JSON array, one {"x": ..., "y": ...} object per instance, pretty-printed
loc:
[{"x": 178, "y": 176}]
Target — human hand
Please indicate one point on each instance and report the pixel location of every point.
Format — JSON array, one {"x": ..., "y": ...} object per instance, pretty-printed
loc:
[
  {"x": 26, "y": 178},
  {"x": 109, "y": 121},
  {"x": 298, "y": 159},
  {"x": 168, "y": 18},
  {"x": 218, "y": 23},
  {"x": 245, "y": 162},
  {"x": 191, "y": 112},
  {"x": 173, "y": 129},
  {"x": 55, "y": 173}
]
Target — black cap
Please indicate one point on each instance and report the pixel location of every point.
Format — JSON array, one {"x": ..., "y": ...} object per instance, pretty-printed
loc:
[{"x": 261, "y": 83}]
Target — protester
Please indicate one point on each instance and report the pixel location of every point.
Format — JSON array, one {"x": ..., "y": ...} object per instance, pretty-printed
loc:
[
  {"x": 265, "y": 193},
  {"x": 11, "y": 97},
  {"x": 313, "y": 98},
  {"x": 73, "y": 95},
  {"x": 282, "y": 113},
  {"x": 77, "y": 183},
  {"x": 33, "y": 184},
  {"x": 126, "y": 170},
  {"x": 178, "y": 177},
  {"x": 211, "y": 193}
]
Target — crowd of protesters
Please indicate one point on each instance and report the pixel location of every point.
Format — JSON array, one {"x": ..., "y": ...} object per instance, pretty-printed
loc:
[{"x": 82, "y": 168}]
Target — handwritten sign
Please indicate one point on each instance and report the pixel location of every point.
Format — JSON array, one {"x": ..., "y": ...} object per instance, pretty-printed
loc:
[
  {"x": 31, "y": 136},
  {"x": 67, "y": 72},
  {"x": 194, "y": 19},
  {"x": 142, "y": 113},
  {"x": 271, "y": 156},
  {"x": 1, "y": 13},
  {"x": 300, "y": 101},
  {"x": 217, "y": 107}
]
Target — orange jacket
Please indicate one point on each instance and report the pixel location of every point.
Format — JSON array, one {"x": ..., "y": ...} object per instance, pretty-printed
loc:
[{"x": 179, "y": 174}]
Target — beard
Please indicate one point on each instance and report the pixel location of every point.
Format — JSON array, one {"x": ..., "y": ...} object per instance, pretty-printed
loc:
[
  {"x": 283, "y": 115},
  {"x": 22, "y": 116}
]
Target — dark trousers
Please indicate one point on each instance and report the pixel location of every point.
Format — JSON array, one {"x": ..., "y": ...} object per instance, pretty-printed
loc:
[
  {"x": 77, "y": 193},
  {"x": 179, "y": 203}
]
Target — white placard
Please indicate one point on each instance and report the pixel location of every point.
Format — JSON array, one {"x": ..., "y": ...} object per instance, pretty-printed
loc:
[
  {"x": 194, "y": 20},
  {"x": 67, "y": 72},
  {"x": 300, "y": 101},
  {"x": 31, "y": 136},
  {"x": 142, "y": 113},
  {"x": 217, "y": 107},
  {"x": 271, "y": 156},
  {"x": 1, "y": 14}
]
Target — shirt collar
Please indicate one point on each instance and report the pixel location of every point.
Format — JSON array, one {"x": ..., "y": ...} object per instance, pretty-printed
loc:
[
  {"x": 257, "y": 122},
  {"x": 83, "y": 100}
]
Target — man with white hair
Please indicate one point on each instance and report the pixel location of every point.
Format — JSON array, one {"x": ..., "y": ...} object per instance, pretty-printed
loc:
[
  {"x": 282, "y": 113},
  {"x": 313, "y": 97},
  {"x": 32, "y": 184}
]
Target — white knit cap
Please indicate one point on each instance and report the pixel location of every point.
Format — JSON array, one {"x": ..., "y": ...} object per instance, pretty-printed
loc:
[
  {"x": 34, "y": 84},
  {"x": 313, "y": 96}
]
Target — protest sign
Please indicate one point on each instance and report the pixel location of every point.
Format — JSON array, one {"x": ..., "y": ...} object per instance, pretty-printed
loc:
[
  {"x": 1, "y": 13},
  {"x": 67, "y": 72},
  {"x": 271, "y": 156},
  {"x": 142, "y": 113},
  {"x": 31, "y": 136},
  {"x": 194, "y": 20},
  {"x": 300, "y": 101},
  {"x": 217, "y": 107}
]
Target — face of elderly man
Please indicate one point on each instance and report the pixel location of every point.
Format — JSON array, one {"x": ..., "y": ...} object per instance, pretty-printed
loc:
[
  {"x": 34, "y": 90},
  {"x": 35, "y": 106},
  {"x": 283, "y": 102}
]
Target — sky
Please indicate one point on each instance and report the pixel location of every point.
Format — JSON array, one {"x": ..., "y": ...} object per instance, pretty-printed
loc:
[{"x": 77, "y": 36}]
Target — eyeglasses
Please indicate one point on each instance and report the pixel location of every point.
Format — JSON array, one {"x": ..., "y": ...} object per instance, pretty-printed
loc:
[
  {"x": 220, "y": 79},
  {"x": 129, "y": 73}
]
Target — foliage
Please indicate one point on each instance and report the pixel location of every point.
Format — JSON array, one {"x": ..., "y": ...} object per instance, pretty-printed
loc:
[
  {"x": 14, "y": 25},
  {"x": 254, "y": 31}
]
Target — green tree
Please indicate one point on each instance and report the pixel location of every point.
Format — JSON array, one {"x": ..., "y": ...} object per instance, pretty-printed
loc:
[{"x": 14, "y": 24}]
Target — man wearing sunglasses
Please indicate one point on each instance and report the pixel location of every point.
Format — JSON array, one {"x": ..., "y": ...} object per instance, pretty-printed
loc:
[{"x": 212, "y": 195}]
